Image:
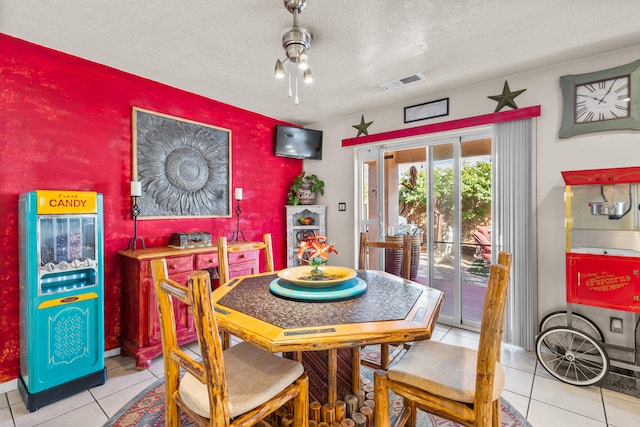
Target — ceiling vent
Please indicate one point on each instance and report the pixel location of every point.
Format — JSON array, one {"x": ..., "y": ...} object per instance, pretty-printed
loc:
[{"x": 402, "y": 81}]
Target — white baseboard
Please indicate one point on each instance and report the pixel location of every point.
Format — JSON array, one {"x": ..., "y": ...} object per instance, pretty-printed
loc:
[
  {"x": 9, "y": 386},
  {"x": 112, "y": 353}
]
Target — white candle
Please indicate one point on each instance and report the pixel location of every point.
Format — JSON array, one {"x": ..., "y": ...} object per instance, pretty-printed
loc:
[
  {"x": 136, "y": 188},
  {"x": 238, "y": 193}
]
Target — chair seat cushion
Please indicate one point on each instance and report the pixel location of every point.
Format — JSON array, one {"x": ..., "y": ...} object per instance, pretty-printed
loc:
[
  {"x": 253, "y": 377},
  {"x": 443, "y": 370}
]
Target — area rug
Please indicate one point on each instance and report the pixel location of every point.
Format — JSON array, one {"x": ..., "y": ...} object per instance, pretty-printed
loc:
[{"x": 147, "y": 410}]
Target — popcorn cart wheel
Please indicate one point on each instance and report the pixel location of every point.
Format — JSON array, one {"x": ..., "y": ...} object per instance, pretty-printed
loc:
[
  {"x": 555, "y": 335},
  {"x": 572, "y": 349},
  {"x": 572, "y": 356},
  {"x": 580, "y": 322}
]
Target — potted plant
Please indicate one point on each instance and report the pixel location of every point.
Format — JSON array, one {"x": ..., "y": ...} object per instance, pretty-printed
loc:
[{"x": 304, "y": 189}]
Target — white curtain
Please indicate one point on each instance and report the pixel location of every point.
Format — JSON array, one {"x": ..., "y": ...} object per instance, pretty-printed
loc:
[{"x": 514, "y": 225}]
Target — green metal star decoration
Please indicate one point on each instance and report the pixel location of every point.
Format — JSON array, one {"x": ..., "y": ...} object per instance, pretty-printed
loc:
[
  {"x": 506, "y": 98},
  {"x": 362, "y": 127}
]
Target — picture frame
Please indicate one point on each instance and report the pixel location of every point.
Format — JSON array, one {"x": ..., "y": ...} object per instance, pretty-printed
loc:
[
  {"x": 571, "y": 126},
  {"x": 427, "y": 110},
  {"x": 183, "y": 166}
]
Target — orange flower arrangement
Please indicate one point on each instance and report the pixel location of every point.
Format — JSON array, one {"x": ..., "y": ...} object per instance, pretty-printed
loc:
[{"x": 315, "y": 251}]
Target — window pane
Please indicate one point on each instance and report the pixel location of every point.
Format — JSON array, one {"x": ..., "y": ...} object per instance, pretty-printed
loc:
[{"x": 476, "y": 226}]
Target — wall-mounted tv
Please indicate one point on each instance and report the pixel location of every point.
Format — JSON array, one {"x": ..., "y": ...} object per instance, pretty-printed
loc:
[{"x": 298, "y": 143}]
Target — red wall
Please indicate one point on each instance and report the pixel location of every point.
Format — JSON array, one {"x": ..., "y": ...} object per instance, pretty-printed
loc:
[{"x": 65, "y": 123}]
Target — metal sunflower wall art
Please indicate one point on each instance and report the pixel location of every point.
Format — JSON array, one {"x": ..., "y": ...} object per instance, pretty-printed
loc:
[{"x": 184, "y": 167}]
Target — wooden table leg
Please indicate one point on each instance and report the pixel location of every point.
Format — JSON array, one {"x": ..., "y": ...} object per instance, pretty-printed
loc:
[
  {"x": 332, "y": 380},
  {"x": 355, "y": 369}
]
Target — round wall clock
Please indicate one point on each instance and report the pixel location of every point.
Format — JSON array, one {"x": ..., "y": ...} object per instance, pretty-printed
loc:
[{"x": 601, "y": 100}]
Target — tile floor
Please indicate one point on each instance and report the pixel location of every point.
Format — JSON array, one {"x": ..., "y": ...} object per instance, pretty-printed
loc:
[{"x": 544, "y": 401}]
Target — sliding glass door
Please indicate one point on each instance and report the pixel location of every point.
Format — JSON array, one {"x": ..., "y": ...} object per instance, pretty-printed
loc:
[
  {"x": 439, "y": 192},
  {"x": 369, "y": 205}
]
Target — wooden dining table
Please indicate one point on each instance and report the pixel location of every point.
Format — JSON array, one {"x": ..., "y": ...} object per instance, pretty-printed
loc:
[{"x": 328, "y": 334}]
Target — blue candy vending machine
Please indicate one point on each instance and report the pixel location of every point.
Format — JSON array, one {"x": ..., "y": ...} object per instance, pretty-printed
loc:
[{"x": 61, "y": 295}]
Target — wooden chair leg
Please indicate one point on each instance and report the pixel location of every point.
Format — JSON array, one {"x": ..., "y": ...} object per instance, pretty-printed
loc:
[
  {"x": 496, "y": 414},
  {"x": 384, "y": 356},
  {"x": 171, "y": 412},
  {"x": 381, "y": 409},
  {"x": 413, "y": 414},
  {"x": 172, "y": 380},
  {"x": 293, "y": 355},
  {"x": 225, "y": 339},
  {"x": 301, "y": 403},
  {"x": 404, "y": 416}
]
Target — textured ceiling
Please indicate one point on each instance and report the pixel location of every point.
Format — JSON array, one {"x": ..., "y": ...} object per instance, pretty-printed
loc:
[{"x": 226, "y": 49}]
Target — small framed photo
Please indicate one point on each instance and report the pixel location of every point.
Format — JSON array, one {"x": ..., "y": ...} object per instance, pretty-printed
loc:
[{"x": 428, "y": 110}]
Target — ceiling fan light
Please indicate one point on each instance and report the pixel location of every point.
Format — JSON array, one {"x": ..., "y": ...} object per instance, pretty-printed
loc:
[
  {"x": 308, "y": 77},
  {"x": 303, "y": 63},
  {"x": 279, "y": 70}
]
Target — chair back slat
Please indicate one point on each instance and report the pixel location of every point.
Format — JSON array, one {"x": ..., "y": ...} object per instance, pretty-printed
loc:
[
  {"x": 179, "y": 292},
  {"x": 405, "y": 246},
  {"x": 224, "y": 249},
  {"x": 223, "y": 260},
  {"x": 269, "y": 265}
]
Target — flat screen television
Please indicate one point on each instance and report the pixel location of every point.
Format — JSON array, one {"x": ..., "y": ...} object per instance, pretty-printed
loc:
[{"x": 298, "y": 143}]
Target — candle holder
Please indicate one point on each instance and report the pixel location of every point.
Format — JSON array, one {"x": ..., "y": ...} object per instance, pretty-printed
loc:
[
  {"x": 135, "y": 211},
  {"x": 236, "y": 234}
]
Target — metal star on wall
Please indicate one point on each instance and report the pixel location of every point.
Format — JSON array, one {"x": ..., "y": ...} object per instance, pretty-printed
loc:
[
  {"x": 362, "y": 127},
  {"x": 506, "y": 98}
]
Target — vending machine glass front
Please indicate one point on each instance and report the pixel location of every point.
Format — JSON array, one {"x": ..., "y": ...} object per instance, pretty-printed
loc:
[{"x": 67, "y": 252}]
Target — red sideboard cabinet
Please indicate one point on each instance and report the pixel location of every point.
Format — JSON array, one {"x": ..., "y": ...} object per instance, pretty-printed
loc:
[{"x": 139, "y": 323}]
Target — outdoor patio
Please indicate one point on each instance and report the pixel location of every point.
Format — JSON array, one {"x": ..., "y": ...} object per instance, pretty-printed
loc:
[{"x": 475, "y": 272}]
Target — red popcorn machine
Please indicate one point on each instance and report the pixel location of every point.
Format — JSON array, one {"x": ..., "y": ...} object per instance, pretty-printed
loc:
[
  {"x": 602, "y": 241},
  {"x": 61, "y": 295}
]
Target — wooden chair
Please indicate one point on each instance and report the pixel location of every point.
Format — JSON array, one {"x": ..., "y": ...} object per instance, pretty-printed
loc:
[
  {"x": 453, "y": 382},
  {"x": 388, "y": 353},
  {"x": 367, "y": 245},
  {"x": 239, "y": 389},
  {"x": 224, "y": 251}
]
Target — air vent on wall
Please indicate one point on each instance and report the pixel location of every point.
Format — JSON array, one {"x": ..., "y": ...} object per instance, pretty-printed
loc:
[{"x": 402, "y": 81}]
